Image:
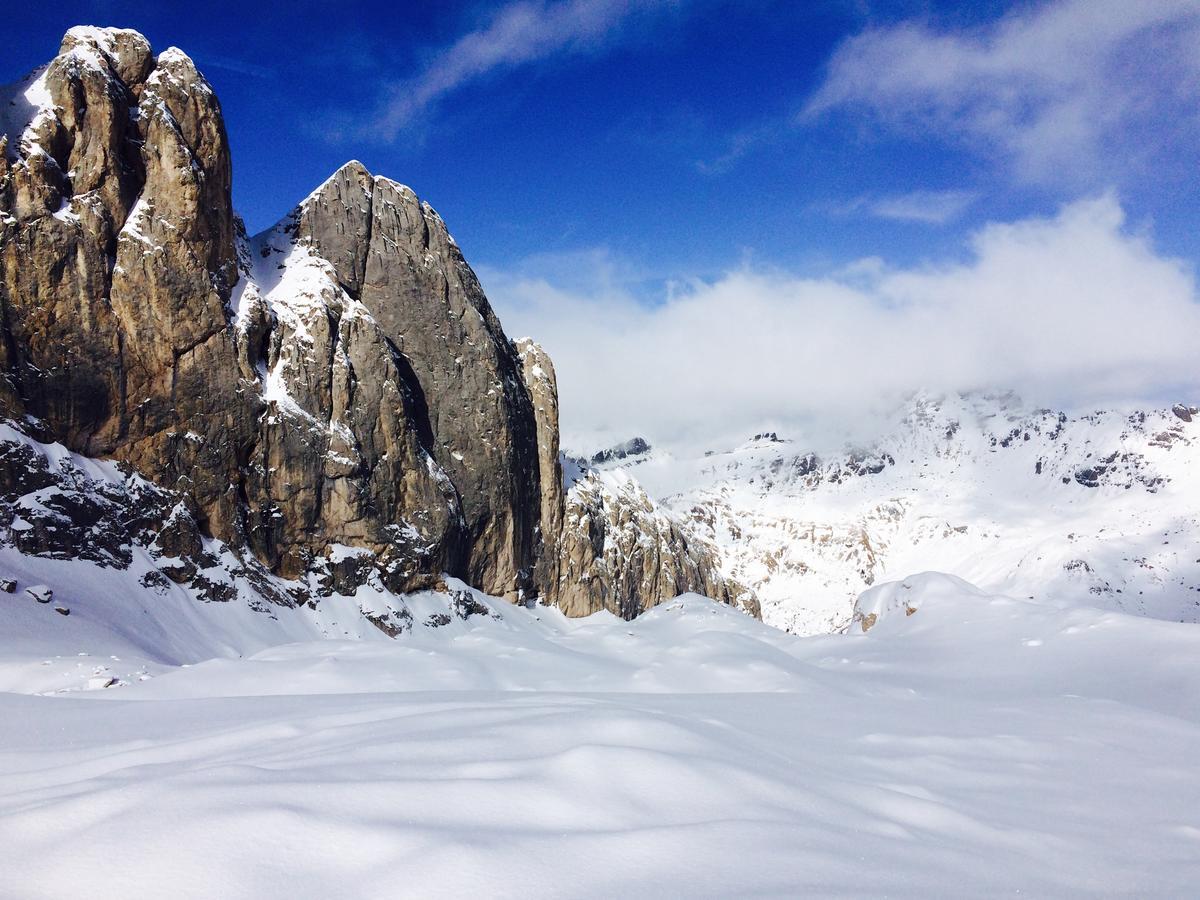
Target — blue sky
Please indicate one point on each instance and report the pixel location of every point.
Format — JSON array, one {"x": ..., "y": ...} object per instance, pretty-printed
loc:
[
  {"x": 672, "y": 134},
  {"x": 625, "y": 152}
]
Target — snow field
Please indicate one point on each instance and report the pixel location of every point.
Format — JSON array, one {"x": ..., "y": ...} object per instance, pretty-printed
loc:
[{"x": 981, "y": 745}]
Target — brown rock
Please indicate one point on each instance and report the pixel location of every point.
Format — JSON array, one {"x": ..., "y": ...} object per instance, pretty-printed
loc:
[
  {"x": 538, "y": 373},
  {"x": 340, "y": 380},
  {"x": 618, "y": 551}
]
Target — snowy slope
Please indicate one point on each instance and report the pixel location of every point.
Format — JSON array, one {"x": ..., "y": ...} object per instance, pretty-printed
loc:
[
  {"x": 978, "y": 746},
  {"x": 94, "y": 593},
  {"x": 1103, "y": 508},
  {"x": 198, "y": 739},
  {"x": 953, "y": 741}
]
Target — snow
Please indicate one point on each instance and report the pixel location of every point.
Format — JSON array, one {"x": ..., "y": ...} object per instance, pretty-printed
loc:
[
  {"x": 275, "y": 390},
  {"x": 59, "y": 457},
  {"x": 104, "y": 38},
  {"x": 341, "y": 552},
  {"x": 23, "y": 106},
  {"x": 136, "y": 224},
  {"x": 980, "y": 745},
  {"x": 955, "y": 491},
  {"x": 297, "y": 288},
  {"x": 64, "y": 213},
  {"x": 175, "y": 56},
  {"x": 37, "y": 95},
  {"x": 572, "y": 471}
]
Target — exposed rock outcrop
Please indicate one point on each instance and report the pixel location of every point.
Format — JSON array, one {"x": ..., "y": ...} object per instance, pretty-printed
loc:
[
  {"x": 58, "y": 505},
  {"x": 339, "y": 380},
  {"x": 116, "y": 245},
  {"x": 347, "y": 382},
  {"x": 608, "y": 545},
  {"x": 542, "y": 384},
  {"x": 393, "y": 254},
  {"x": 633, "y": 447},
  {"x": 619, "y": 551},
  {"x": 398, "y": 419}
]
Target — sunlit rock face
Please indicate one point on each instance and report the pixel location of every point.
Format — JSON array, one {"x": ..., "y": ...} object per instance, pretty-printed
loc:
[
  {"x": 338, "y": 380},
  {"x": 117, "y": 248}
]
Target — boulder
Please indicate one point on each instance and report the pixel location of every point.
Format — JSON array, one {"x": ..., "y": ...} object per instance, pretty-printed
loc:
[{"x": 40, "y": 592}]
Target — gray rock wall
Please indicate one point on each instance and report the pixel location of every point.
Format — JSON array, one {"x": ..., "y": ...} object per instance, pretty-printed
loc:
[{"x": 340, "y": 379}]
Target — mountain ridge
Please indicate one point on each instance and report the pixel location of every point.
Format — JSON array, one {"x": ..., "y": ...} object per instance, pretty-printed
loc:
[
  {"x": 1097, "y": 507},
  {"x": 338, "y": 380}
]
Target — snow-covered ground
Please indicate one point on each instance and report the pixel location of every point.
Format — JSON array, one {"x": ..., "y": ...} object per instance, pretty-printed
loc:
[
  {"x": 976, "y": 746},
  {"x": 1038, "y": 736}
]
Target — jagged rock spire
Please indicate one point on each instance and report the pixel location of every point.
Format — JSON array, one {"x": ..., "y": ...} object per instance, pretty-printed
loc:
[{"x": 340, "y": 379}]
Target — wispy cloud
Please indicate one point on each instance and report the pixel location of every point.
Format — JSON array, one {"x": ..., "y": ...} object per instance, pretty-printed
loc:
[
  {"x": 1073, "y": 309},
  {"x": 237, "y": 66},
  {"x": 927, "y": 207},
  {"x": 741, "y": 143},
  {"x": 921, "y": 207},
  {"x": 517, "y": 34},
  {"x": 1060, "y": 89}
]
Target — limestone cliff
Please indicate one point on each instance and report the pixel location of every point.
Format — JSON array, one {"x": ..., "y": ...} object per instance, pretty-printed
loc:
[
  {"x": 613, "y": 547},
  {"x": 339, "y": 380},
  {"x": 621, "y": 552}
]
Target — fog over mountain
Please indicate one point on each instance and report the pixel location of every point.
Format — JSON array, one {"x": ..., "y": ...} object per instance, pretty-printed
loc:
[{"x": 1075, "y": 311}]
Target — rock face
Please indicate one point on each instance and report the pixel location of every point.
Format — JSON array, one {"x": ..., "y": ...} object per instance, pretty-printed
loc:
[
  {"x": 608, "y": 545},
  {"x": 339, "y": 380},
  {"x": 397, "y": 418},
  {"x": 632, "y": 447},
  {"x": 116, "y": 244},
  {"x": 538, "y": 373},
  {"x": 619, "y": 551},
  {"x": 471, "y": 411}
]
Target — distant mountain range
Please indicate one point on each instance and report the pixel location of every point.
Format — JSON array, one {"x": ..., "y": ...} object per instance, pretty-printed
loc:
[{"x": 1101, "y": 508}]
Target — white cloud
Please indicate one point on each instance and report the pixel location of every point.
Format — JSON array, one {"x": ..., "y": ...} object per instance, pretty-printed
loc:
[
  {"x": 1070, "y": 310},
  {"x": 519, "y": 33},
  {"x": 1062, "y": 89},
  {"x": 927, "y": 207},
  {"x": 922, "y": 207}
]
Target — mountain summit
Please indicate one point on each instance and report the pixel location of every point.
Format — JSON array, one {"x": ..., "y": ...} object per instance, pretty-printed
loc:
[{"x": 332, "y": 401}]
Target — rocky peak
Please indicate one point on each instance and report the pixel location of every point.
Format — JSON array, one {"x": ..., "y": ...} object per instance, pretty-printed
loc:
[
  {"x": 116, "y": 243},
  {"x": 125, "y": 51},
  {"x": 335, "y": 220},
  {"x": 339, "y": 380},
  {"x": 636, "y": 446},
  {"x": 366, "y": 250}
]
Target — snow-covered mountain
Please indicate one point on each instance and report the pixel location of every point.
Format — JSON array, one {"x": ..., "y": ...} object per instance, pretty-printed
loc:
[
  {"x": 338, "y": 381},
  {"x": 298, "y": 598},
  {"x": 1103, "y": 508}
]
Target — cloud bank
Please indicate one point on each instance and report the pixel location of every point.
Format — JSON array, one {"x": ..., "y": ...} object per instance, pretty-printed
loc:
[
  {"x": 1062, "y": 90},
  {"x": 1071, "y": 310}
]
